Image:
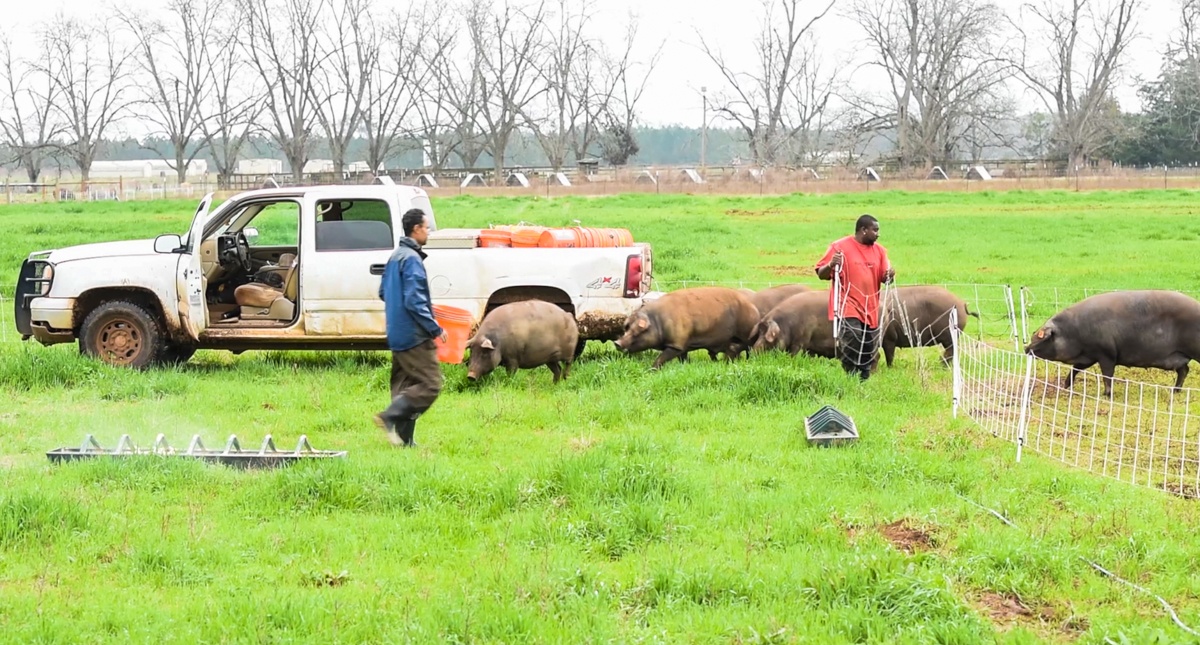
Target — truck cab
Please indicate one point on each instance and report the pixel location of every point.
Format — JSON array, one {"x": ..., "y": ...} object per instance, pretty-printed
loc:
[{"x": 299, "y": 268}]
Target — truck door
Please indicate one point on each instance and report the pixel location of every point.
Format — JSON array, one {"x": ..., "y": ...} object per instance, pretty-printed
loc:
[
  {"x": 193, "y": 311},
  {"x": 341, "y": 241}
]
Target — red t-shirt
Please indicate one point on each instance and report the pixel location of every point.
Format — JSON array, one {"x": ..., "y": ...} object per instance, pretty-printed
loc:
[{"x": 863, "y": 270}]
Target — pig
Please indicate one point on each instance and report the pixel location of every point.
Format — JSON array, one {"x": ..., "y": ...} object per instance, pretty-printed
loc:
[
  {"x": 769, "y": 298},
  {"x": 799, "y": 323},
  {"x": 525, "y": 335},
  {"x": 718, "y": 319},
  {"x": 923, "y": 311},
  {"x": 1159, "y": 329}
]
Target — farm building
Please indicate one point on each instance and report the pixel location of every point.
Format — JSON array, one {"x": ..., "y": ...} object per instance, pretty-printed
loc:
[
  {"x": 259, "y": 167},
  {"x": 143, "y": 168}
]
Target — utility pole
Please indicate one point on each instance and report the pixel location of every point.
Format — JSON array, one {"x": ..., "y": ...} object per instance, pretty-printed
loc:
[{"x": 703, "y": 126}]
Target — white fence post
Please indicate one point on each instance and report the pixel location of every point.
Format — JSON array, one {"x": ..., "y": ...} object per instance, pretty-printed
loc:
[
  {"x": 1026, "y": 396},
  {"x": 1012, "y": 318},
  {"x": 956, "y": 368},
  {"x": 1024, "y": 317}
]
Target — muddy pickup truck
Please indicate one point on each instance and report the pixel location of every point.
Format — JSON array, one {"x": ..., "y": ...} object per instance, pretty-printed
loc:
[{"x": 315, "y": 256}]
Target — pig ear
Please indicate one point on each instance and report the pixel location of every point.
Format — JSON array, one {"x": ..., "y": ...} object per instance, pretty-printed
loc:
[
  {"x": 1043, "y": 333},
  {"x": 641, "y": 324},
  {"x": 487, "y": 344}
]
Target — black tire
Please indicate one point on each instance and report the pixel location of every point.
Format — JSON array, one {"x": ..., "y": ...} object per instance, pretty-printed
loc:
[{"x": 124, "y": 334}]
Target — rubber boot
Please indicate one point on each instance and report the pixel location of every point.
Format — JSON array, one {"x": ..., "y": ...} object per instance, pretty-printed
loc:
[{"x": 398, "y": 422}]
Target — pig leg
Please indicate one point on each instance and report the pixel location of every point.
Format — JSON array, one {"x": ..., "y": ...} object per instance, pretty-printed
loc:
[
  {"x": 1181, "y": 374},
  {"x": 1107, "y": 368},
  {"x": 947, "y": 355},
  {"x": 566, "y": 368},
  {"x": 555, "y": 369},
  {"x": 1070, "y": 380},
  {"x": 667, "y": 354},
  {"x": 712, "y": 355},
  {"x": 889, "y": 352}
]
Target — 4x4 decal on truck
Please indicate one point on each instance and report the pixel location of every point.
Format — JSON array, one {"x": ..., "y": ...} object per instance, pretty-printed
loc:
[{"x": 606, "y": 282}]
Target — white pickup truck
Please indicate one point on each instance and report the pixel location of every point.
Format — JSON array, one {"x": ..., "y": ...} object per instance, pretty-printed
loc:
[{"x": 322, "y": 249}]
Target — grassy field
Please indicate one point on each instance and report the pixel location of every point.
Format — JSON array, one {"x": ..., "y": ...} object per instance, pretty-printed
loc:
[{"x": 621, "y": 505}]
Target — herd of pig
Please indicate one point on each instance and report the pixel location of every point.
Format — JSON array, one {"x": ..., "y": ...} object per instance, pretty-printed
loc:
[
  {"x": 1147, "y": 329},
  {"x": 721, "y": 320}
]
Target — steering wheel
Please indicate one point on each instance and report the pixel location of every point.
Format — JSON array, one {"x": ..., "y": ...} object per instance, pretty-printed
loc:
[{"x": 243, "y": 252}]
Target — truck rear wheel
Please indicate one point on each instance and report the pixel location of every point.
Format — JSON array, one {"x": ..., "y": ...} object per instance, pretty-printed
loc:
[{"x": 123, "y": 334}]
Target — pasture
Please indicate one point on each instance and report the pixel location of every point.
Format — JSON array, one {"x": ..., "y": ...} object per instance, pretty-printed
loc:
[{"x": 621, "y": 505}]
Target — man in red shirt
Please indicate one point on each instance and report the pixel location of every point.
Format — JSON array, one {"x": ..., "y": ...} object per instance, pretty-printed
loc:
[{"x": 854, "y": 300}]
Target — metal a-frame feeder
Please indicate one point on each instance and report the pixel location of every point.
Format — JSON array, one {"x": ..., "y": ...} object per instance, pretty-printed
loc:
[
  {"x": 830, "y": 427},
  {"x": 267, "y": 456}
]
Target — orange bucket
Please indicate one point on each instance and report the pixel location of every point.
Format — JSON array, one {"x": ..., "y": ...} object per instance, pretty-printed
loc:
[
  {"x": 585, "y": 236},
  {"x": 527, "y": 236},
  {"x": 560, "y": 238},
  {"x": 495, "y": 238},
  {"x": 457, "y": 323}
]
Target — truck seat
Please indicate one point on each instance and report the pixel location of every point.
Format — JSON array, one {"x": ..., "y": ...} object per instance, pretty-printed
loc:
[{"x": 263, "y": 302}]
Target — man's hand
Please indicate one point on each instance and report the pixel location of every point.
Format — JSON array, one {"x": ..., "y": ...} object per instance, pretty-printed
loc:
[
  {"x": 837, "y": 260},
  {"x": 889, "y": 275},
  {"x": 442, "y": 337}
]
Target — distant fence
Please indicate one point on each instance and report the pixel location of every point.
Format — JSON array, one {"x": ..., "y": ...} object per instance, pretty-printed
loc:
[{"x": 714, "y": 180}]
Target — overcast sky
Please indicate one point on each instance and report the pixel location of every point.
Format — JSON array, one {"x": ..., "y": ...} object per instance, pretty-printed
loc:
[{"x": 673, "y": 96}]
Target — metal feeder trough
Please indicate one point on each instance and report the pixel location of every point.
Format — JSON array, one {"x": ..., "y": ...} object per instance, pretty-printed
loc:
[
  {"x": 266, "y": 456},
  {"x": 829, "y": 427}
]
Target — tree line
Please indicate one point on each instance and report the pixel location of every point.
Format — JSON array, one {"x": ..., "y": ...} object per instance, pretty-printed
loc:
[{"x": 459, "y": 82}]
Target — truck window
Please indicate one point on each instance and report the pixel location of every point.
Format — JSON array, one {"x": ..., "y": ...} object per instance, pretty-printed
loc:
[
  {"x": 278, "y": 224},
  {"x": 354, "y": 225}
]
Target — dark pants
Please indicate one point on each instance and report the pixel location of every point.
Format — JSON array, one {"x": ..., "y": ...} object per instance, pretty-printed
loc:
[
  {"x": 857, "y": 346},
  {"x": 417, "y": 376}
]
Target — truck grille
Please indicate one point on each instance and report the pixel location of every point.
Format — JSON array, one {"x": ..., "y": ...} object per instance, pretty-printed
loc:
[{"x": 31, "y": 283}]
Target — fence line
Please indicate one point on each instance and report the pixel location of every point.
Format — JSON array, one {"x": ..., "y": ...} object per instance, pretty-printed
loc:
[{"x": 1145, "y": 434}]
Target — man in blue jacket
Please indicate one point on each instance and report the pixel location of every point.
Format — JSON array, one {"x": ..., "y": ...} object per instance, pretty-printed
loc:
[{"x": 411, "y": 328}]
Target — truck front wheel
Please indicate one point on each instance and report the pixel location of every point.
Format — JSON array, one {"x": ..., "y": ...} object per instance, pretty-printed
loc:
[{"x": 123, "y": 334}]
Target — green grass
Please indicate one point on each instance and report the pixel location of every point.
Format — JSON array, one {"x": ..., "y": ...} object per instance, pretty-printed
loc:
[{"x": 621, "y": 505}]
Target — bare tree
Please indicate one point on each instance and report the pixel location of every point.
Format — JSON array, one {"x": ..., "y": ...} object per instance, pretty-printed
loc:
[
  {"x": 282, "y": 45},
  {"x": 450, "y": 102},
  {"x": 89, "y": 69},
  {"x": 175, "y": 74},
  {"x": 348, "y": 53},
  {"x": 446, "y": 102},
  {"x": 1084, "y": 49},
  {"x": 391, "y": 91},
  {"x": 27, "y": 118},
  {"x": 944, "y": 81},
  {"x": 570, "y": 71},
  {"x": 629, "y": 76},
  {"x": 777, "y": 100},
  {"x": 1186, "y": 44},
  {"x": 233, "y": 101},
  {"x": 511, "y": 42}
]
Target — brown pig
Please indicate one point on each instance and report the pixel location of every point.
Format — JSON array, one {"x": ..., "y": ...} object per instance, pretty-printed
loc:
[
  {"x": 919, "y": 316},
  {"x": 769, "y": 298},
  {"x": 524, "y": 335},
  {"x": 718, "y": 319},
  {"x": 799, "y": 324}
]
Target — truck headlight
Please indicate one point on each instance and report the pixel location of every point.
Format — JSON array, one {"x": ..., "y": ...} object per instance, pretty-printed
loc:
[{"x": 45, "y": 278}]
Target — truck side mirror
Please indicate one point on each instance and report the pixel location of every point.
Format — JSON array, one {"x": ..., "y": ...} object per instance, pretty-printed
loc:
[
  {"x": 167, "y": 243},
  {"x": 251, "y": 234}
]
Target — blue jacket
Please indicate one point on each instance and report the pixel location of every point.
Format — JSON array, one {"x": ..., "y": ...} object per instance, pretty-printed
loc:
[{"x": 404, "y": 290}]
